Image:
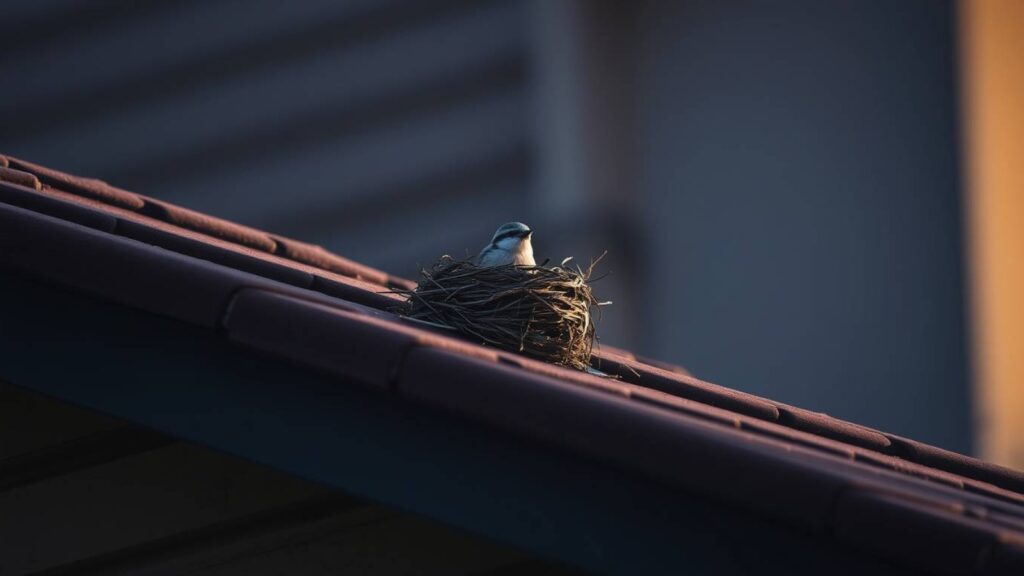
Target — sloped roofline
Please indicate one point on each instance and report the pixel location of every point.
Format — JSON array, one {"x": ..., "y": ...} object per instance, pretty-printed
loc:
[{"x": 296, "y": 301}]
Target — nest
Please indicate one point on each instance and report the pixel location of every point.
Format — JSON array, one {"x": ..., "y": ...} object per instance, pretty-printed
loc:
[{"x": 541, "y": 312}]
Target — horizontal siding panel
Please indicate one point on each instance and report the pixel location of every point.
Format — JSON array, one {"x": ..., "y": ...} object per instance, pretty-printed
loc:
[
  {"x": 349, "y": 168},
  {"x": 415, "y": 233},
  {"x": 20, "y": 14},
  {"x": 164, "y": 39},
  {"x": 143, "y": 139}
]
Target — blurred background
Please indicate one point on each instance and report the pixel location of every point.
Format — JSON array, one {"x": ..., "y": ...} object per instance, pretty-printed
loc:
[{"x": 815, "y": 201}]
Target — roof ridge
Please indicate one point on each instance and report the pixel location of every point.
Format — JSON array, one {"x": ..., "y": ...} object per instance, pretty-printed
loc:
[{"x": 281, "y": 297}]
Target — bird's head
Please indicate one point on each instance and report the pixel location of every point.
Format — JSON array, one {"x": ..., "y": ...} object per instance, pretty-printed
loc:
[{"x": 510, "y": 234}]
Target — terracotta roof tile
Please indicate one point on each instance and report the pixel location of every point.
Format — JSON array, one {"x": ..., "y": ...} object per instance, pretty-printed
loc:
[
  {"x": 339, "y": 287},
  {"x": 342, "y": 341},
  {"x": 824, "y": 425},
  {"x": 20, "y": 178},
  {"x": 931, "y": 533},
  {"x": 667, "y": 366},
  {"x": 991, "y": 491},
  {"x": 137, "y": 274},
  {"x": 797, "y": 437},
  {"x": 689, "y": 387},
  {"x": 164, "y": 235},
  {"x": 215, "y": 227},
  {"x": 87, "y": 187},
  {"x": 697, "y": 454},
  {"x": 14, "y": 195},
  {"x": 916, "y": 504},
  {"x": 688, "y": 407},
  {"x": 129, "y": 223},
  {"x": 318, "y": 257},
  {"x": 957, "y": 463},
  {"x": 909, "y": 468}
]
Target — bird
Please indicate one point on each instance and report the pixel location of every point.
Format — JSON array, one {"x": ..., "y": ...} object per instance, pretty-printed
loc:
[{"x": 510, "y": 245}]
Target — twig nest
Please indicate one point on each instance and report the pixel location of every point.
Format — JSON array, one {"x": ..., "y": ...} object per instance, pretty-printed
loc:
[{"x": 541, "y": 312}]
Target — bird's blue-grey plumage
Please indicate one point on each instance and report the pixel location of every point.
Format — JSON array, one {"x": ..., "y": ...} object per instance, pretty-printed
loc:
[{"x": 509, "y": 245}]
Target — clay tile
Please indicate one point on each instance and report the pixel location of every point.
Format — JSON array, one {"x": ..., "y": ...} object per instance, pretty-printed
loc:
[
  {"x": 926, "y": 534},
  {"x": 909, "y": 468},
  {"x": 20, "y": 178},
  {"x": 88, "y": 187},
  {"x": 957, "y": 463},
  {"x": 316, "y": 256},
  {"x": 565, "y": 374},
  {"x": 119, "y": 269},
  {"x": 688, "y": 387},
  {"x": 340, "y": 338},
  {"x": 667, "y": 366},
  {"x": 790, "y": 436},
  {"x": 46, "y": 204},
  {"x": 232, "y": 255},
  {"x": 686, "y": 451},
  {"x": 368, "y": 295},
  {"x": 208, "y": 225},
  {"x": 688, "y": 407},
  {"x": 3, "y": 161},
  {"x": 399, "y": 283},
  {"x": 825, "y": 425},
  {"x": 342, "y": 342},
  {"x": 991, "y": 491}
]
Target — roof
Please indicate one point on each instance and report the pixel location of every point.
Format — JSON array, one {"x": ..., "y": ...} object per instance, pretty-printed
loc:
[{"x": 892, "y": 497}]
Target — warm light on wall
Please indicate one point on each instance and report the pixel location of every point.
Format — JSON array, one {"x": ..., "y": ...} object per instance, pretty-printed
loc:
[{"x": 992, "y": 49}]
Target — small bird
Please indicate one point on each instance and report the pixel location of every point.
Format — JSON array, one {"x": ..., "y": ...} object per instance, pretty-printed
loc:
[{"x": 510, "y": 245}]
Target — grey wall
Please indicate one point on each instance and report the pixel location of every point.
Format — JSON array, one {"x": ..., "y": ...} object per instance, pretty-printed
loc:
[
  {"x": 390, "y": 131},
  {"x": 776, "y": 182},
  {"x": 800, "y": 182}
]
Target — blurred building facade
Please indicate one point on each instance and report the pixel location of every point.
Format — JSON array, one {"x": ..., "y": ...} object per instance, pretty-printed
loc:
[{"x": 777, "y": 184}]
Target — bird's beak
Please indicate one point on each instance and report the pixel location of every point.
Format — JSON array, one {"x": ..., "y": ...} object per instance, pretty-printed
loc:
[{"x": 527, "y": 234}]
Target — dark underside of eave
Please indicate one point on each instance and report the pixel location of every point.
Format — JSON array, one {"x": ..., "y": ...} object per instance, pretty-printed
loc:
[{"x": 550, "y": 502}]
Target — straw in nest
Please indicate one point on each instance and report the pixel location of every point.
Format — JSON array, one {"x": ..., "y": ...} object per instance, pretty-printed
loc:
[{"x": 541, "y": 312}]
